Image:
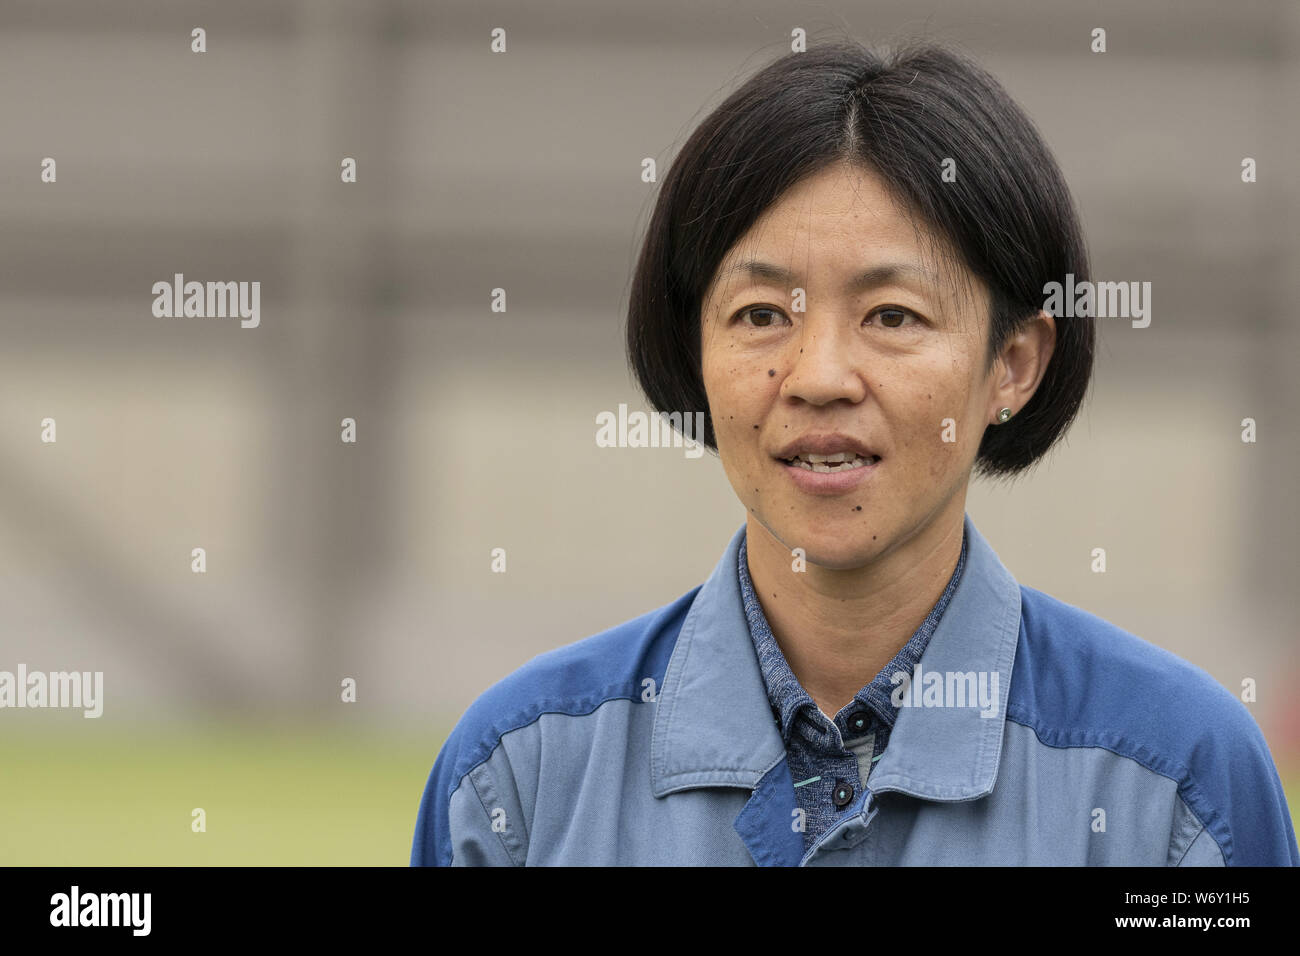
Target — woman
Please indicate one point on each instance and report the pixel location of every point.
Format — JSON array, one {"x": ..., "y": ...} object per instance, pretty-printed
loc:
[{"x": 846, "y": 267}]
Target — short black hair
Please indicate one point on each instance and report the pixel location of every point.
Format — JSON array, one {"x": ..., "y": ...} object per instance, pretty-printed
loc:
[{"x": 1008, "y": 214}]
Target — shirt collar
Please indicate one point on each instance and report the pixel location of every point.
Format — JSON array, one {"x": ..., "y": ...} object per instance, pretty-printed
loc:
[
  {"x": 713, "y": 725},
  {"x": 790, "y": 701}
]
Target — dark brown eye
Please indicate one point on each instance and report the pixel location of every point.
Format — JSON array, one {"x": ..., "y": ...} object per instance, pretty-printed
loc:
[
  {"x": 761, "y": 318},
  {"x": 892, "y": 318}
]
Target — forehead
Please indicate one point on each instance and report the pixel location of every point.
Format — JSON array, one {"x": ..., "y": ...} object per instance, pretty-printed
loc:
[
  {"x": 838, "y": 225},
  {"x": 838, "y": 198}
]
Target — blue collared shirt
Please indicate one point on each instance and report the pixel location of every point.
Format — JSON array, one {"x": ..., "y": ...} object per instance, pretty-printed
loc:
[
  {"x": 830, "y": 760},
  {"x": 1039, "y": 734}
]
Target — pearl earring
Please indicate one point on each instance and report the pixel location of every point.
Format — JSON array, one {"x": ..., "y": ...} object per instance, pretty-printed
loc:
[{"x": 1004, "y": 415}]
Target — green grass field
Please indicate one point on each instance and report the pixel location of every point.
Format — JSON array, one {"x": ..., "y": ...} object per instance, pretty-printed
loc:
[{"x": 273, "y": 796}]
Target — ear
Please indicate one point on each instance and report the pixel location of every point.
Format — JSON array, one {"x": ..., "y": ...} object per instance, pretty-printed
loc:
[{"x": 1021, "y": 365}]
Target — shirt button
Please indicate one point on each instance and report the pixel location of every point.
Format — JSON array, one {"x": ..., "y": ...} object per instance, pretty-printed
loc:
[
  {"x": 843, "y": 794},
  {"x": 859, "y": 721}
]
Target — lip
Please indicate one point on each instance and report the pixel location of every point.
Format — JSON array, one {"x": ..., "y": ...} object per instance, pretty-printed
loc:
[
  {"x": 825, "y": 443},
  {"x": 829, "y": 483}
]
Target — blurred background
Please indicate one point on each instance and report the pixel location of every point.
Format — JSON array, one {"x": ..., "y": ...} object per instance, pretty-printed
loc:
[{"x": 475, "y": 428}]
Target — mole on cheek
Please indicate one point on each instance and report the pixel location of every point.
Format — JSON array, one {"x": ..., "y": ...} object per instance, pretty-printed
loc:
[{"x": 771, "y": 372}]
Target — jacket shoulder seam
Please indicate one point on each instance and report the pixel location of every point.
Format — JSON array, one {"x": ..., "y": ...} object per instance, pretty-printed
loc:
[
  {"x": 488, "y": 813},
  {"x": 579, "y": 707},
  {"x": 1196, "y": 836},
  {"x": 1170, "y": 768}
]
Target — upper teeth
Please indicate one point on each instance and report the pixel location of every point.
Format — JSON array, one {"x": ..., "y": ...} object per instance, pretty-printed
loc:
[
  {"x": 830, "y": 459},
  {"x": 814, "y": 462}
]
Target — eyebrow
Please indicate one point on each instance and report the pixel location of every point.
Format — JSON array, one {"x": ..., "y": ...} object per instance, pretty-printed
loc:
[{"x": 879, "y": 275}]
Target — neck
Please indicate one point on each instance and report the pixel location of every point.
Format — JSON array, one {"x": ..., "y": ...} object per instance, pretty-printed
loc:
[{"x": 839, "y": 628}]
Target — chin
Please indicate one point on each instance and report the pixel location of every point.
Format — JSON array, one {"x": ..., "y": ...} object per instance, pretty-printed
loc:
[
  {"x": 843, "y": 556},
  {"x": 849, "y": 546}
]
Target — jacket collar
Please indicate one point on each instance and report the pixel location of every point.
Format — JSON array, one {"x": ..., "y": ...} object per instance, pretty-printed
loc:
[{"x": 714, "y": 726}]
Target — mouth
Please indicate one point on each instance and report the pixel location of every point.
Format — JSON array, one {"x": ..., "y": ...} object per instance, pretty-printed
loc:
[{"x": 830, "y": 464}]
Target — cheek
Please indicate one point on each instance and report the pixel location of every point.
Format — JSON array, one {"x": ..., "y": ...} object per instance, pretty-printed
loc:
[
  {"x": 727, "y": 408},
  {"x": 934, "y": 460},
  {"x": 944, "y": 459},
  {"x": 740, "y": 394}
]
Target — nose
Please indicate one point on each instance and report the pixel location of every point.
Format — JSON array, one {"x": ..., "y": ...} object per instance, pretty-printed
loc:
[{"x": 825, "y": 367}]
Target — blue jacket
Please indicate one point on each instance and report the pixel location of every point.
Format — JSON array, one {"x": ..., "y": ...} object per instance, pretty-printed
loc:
[{"x": 654, "y": 743}]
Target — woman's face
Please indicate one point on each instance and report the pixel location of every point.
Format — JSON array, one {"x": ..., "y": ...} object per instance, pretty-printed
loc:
[{"x": 885, "y": 364}]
